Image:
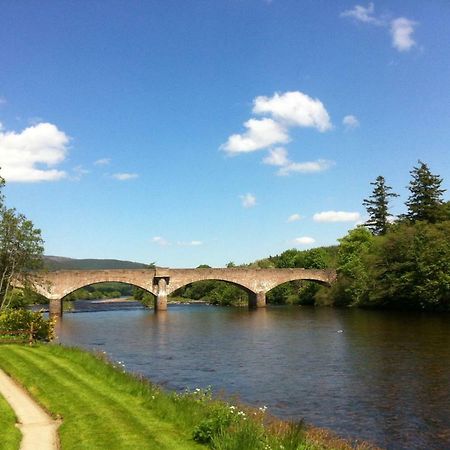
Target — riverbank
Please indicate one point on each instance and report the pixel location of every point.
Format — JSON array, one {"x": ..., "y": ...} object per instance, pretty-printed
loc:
[{"x": 102, "y": 406}]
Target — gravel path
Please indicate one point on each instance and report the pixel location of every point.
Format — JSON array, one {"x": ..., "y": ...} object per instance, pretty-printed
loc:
[{"x": 38, "y": 429}]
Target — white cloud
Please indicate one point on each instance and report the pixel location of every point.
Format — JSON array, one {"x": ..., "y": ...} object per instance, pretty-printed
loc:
[
  {"x": 102, "y": 162},
  {"x": 304, "y": 240},
  {"x": 363, "y": 14},
  {"x": 401, "y": 28},
  {"x": 337, "y": 216},
  {"x": 3, "y": 100},
  {"x": 160, "y": 241},
  {"x": 305, "y": 167},
  {"x": 261, "y": 133},
  {"x": 190, "y": 243},
  {"x": 277, "y": 157},
  {"x": 23, "y": 154},
  {"x": 294, "y": 109},
  {"x": 248, "y": 200},
  {"x": 401, "y": 31},
  {"x": 350, "y": 122},
  {"x": 124, "y": 176},
  {"x": 294, "y": 218}
]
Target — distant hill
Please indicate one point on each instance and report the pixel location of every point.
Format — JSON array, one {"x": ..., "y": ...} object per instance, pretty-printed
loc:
[{"x": 62, "y": 263}]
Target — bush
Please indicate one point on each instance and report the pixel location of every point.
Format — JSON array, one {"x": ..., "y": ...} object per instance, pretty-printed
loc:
[{"x": 22, "y": 319}]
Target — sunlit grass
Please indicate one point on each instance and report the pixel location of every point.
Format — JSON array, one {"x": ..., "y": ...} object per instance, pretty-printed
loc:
[{"x": 10, "y": 434}]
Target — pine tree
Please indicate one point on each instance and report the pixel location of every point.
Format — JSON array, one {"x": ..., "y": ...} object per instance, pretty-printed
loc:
[
  {"x": 377, "y": 206},
  {"x": 425, "y": 202}
]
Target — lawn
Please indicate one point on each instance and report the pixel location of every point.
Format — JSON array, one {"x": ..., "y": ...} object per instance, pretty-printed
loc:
[
  {"x": 101, "y": 408},
  {"x": 10, "y": 434}
]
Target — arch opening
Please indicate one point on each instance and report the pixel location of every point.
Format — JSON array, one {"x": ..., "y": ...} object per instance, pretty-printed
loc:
[
  {"x": 107, "y": 295},
  {"x": 296, "y": 292},
  {"x": 212, "y": 291}
]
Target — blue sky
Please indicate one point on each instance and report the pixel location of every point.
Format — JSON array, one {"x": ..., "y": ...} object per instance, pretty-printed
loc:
[{"x": 189, "y": 132}]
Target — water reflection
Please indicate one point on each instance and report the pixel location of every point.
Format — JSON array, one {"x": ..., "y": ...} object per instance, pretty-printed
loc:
[{"x": 379, "y": 376}]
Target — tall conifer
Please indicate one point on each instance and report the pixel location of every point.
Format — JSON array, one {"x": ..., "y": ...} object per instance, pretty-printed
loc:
[
  {"x": 377, "y": 206},
  {"x": 425, "y": 201}
]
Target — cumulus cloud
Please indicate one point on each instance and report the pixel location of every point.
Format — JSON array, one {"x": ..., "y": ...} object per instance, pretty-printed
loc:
[
  {"x": 160, "y": 241},
  {"x": 304, "y": 240},
  {"x": 22, "y": 154},
  {"x": 286, "y": 110},
  {"x": 261, "y": 133},
  {"x": 102, "y": 162},
  {"x": 401, "y": 31},
  {"x": 363, "y": 14},
  {"x": 248, "y": 200},
  {"x": 305, "y": 167},
  {"x": 294, "y": 218},
  {"x": 124, "y": 176},
  {"x": 337, "y": 216},
  {"x": 277, "y": 157},
  {"x": 294, "y": 109},
  {"x": 350, "y": 122}
]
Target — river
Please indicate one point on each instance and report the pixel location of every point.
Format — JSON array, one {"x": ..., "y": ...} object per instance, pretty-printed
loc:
[{"x": 378, "y": 376}]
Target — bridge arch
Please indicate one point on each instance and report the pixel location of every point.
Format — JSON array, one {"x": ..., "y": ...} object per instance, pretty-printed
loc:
[{"x": 204, "y": 291}]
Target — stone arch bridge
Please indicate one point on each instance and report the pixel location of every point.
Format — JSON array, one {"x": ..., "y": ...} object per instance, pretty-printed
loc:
[{"x": 161, "y": 282}]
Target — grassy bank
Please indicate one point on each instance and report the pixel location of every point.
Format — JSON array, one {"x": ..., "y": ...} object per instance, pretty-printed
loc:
[
  {"x": 10, "y": 434},
  {"x": 102, "y": 407}
]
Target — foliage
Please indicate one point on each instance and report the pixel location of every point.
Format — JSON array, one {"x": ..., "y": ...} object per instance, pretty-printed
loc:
[
  {"x": 21, "y": 248},
  {"x": 411, "y": 267},
  {"x": 21, "y": 298},
  {"x": 143, "y": 296},
  {"x": 214, "y": 292},
  {"x": 425, "y": 200},
  {"x": 377, "y": 206},
  {"x": 353, "y": 251},
  {"x": 101, "y": 291},
  {"x": 408, "y": 268},
  {"x": 22, "y": 319}
]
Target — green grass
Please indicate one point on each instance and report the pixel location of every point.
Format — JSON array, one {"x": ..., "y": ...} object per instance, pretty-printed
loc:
[
  {"x": 10, "y": 434},
  {"x": 102, "y": 407}
]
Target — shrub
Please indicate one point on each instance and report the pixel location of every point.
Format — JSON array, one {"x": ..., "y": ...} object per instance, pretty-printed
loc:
[{"x": 22, "y": 319}]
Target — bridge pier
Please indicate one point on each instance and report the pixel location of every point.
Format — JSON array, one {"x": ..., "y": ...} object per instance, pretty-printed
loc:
[
  {"x": 161, "y": 296},
  {"x": 55, "y": 308},
  {"x": 257, "y": 300}
]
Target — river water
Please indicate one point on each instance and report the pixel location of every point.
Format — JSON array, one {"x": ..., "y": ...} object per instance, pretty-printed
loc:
[{"x": 378, "y": 376}]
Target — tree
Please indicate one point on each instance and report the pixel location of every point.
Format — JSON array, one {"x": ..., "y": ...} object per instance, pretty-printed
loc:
[
  {"x": 353, "y": 273},
  {"x": 21, "y": 249},
  {"x": 377, "y": 206},
  {"x": 425, "y": 202}
]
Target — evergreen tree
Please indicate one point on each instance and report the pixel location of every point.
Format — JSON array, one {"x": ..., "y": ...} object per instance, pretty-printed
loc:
[
  {"x": 377, "y": 206},
  {"x": 425, "y": 201}
]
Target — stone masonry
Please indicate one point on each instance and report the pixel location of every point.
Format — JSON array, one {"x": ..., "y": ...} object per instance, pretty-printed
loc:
[{"x": 161, "y": 282}]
